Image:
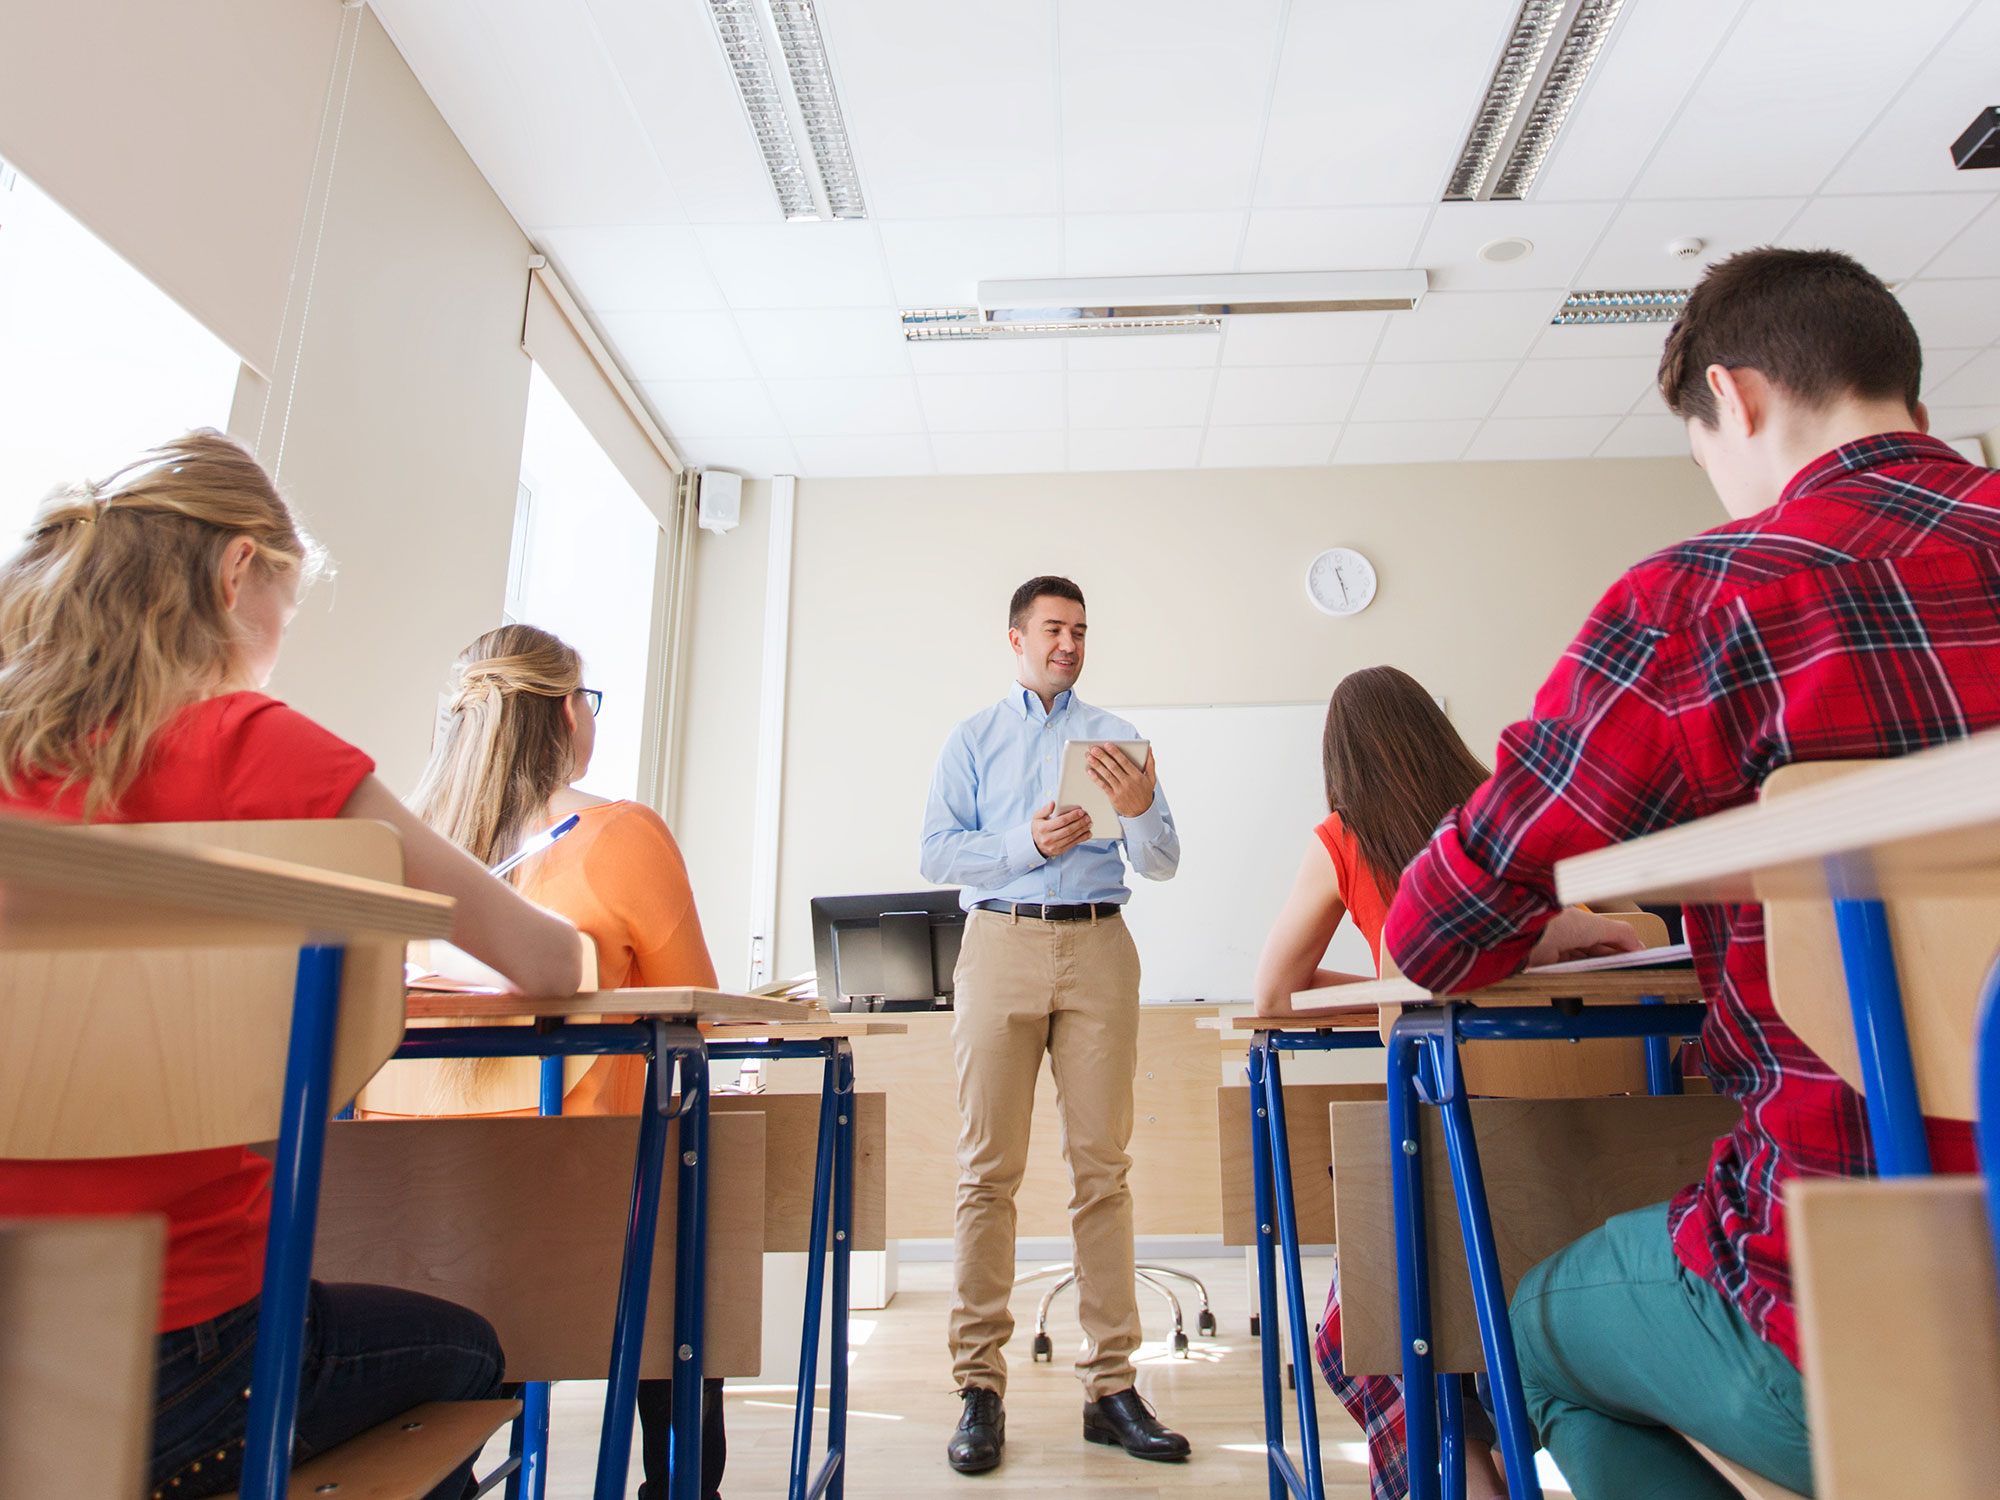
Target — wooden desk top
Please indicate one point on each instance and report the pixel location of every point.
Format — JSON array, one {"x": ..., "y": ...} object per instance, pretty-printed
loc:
[
  {"x": 63, "y": 887},
  {"x": 681, "y": 1004},
  {"x": 809, "y": 1031},
  {"x": 1362, "y": 1004},
  {"x": 1925, "y": 824}
]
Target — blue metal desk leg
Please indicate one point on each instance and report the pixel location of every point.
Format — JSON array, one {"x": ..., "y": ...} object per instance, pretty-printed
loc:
[
  {"x": 1888, "y": 1076},
  {"x": 1987, "y": 1086},
  {"x": 822, "y": 1205},
  {"x": 1413, "y": 1278},
  {"x": 690, "y": 1279},
  {"x": 834, "y": 1483},
  {"x": 628, "y": 1330},
  {"x": 1267, "y": 1284},
  {"x": 295, "y": 1175},
  {"x": 1312, "y": 1486},
  {"x": 1663, "y": 1074},
  {"x": 531, "y": 1428},
  {"x": 1451, "y": 1449}
]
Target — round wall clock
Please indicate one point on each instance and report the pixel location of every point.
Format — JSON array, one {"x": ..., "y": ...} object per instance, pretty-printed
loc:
[{"x": 1341, "y": 581}]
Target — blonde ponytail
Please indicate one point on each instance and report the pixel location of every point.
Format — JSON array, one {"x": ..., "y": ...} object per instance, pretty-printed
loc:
[
  {"x": 112, "y": 617},
  {"x": 502, "y": 748}
]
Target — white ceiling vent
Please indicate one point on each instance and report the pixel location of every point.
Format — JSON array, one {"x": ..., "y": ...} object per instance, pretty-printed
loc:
[{"x": 794, "y": 116}]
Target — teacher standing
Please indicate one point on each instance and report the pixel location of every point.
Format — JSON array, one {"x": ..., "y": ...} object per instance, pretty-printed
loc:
[{"x": 1047, "y": 965}]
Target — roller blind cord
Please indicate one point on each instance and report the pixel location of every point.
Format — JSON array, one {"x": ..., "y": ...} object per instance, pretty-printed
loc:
[{"x": 332, "y": 120}]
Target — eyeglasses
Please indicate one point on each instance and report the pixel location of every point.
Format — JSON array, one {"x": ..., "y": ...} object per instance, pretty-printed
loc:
[{"x": 594, "y": 698}]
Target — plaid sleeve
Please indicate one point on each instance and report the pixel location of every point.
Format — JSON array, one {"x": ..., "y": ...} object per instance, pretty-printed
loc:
[{"x": 1595, "y": 765}]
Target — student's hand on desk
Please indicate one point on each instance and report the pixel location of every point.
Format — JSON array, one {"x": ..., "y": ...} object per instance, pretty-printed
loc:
[
  {"x": 1130, "y": 786},
  {"x": 1056, "y": 831},
  {"x": 1574, "y": 933}
]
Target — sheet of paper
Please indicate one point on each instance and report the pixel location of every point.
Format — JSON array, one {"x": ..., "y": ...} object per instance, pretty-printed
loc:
[{"x": 1645, "y": 958}]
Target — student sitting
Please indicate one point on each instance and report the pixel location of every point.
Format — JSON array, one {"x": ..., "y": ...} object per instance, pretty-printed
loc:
[
  {"x": 1394, "y": 766},
  {"x": 518, "y": 729},
  {"x": 137, "y": 628},
  {"x": 1850, "y": 610}
]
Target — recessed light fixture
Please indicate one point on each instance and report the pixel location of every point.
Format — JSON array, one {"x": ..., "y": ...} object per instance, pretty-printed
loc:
[
  {"x": 1659, "y": 306},
  {"x": 799, "y": 106},
  {"x": 946, "y": 325},
  {"x": 1500, "y": 252},
  {"x": 1518, "y": 143}
]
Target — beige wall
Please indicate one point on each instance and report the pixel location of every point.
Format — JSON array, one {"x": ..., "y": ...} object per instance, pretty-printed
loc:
[
  {"x": 1196, "y": 588},
  {"x": 185, "y": 135}
]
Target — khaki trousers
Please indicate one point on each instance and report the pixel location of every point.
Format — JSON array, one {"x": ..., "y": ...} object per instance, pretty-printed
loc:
[{"x": 1071, "y": 989}]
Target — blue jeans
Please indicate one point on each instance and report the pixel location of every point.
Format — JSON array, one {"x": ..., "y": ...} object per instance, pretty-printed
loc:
[{"x": 370, "y": 1353}]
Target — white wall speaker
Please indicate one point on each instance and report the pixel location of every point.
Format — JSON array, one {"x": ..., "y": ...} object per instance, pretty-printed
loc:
[{"x": 721, "y": 502}]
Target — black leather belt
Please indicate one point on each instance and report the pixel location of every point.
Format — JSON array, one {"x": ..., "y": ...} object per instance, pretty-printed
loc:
[{"x": 1083, "y": 913}]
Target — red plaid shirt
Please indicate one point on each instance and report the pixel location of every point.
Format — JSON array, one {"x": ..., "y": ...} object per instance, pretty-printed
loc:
[{"x": 1857, "y": 618}]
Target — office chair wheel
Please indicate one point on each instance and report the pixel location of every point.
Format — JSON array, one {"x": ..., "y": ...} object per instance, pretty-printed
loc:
[
  {"x": 1256, "y": 1326},
  {"x": 1181, "y": 1345},
  {"x": 1291, "y": 1376},
  {"x": 1045, "y": 1349},
  {"x": 1205, "y": 1324}
]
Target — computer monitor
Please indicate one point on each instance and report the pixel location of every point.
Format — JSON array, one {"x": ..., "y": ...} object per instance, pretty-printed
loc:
[{"x": 891, "y": 952}]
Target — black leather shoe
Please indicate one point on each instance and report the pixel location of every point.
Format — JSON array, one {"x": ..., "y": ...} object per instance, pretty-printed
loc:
[
  {"x": 982, "y": 1432},
  {"x": 1124, "y": 1419}
]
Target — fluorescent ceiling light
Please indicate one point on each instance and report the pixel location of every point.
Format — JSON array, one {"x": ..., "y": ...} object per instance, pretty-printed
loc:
[
  {"x": 941, "y": 325},
  {"x": 1657, "y": 306},
  {"x": 800, "y": 106},
  {"x": 1501, "y": 133}
]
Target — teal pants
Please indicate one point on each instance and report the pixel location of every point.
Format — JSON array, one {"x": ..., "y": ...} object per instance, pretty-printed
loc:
[{"x": 1622, "y": 1348}]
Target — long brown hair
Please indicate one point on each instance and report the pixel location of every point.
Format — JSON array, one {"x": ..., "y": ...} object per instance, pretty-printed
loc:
[
  {"x": 1394, "y": 767},
  {"x": 502, "y": 747},
  {"x": 112, "y": 617}
]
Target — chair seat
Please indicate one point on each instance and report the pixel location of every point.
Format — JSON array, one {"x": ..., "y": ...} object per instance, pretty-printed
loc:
[
  {"x": 1748, "y": 1481},
  {"x": 404, "y": 1458}
]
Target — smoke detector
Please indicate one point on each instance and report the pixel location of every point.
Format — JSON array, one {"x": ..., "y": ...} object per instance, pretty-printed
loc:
[
  {"x": 1688, "y": 247},
  {"x": 1499, "y": 252}
]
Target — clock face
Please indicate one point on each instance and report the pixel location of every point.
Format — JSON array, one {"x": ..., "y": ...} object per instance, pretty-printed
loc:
[{"x": 1341, "y": 581}]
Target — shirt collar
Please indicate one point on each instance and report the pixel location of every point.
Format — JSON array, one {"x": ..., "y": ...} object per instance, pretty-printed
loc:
[
  {"x": 1874, "y": 452},
  {"x": 1028, "y": 704}
]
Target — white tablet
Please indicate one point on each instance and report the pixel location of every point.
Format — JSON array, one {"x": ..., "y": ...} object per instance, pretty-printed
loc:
[{"x": 1078, "y": 788}]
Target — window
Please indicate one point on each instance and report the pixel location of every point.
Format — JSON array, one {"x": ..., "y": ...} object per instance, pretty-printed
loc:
[
  {"x": 96, "y": 363},
  {"x": 582, "y": 566}
]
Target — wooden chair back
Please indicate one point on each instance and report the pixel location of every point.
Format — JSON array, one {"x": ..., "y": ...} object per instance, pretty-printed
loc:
[
  {"x": 1555, "y": 1169},
  {"x": 1944, "y": 946},
  {"x": 133, "y": 1052},
  {"x": 1899, "y": 1326},
  {"x": 79, "y": 1302}
]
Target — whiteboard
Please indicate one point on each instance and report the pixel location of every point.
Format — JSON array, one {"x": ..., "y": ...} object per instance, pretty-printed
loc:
[{"x": 1245, "y": 786}]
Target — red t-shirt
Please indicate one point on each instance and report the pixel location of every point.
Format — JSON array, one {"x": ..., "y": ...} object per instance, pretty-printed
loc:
[
  {"x": 1359, "y": 892},
  {"x": 240, "y": 756}
]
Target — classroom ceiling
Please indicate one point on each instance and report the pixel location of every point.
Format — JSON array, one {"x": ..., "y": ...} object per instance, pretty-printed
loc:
[{"x": 1008, "y": 139}]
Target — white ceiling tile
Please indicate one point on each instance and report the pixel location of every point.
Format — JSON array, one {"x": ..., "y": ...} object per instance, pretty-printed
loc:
[
  {"x": 715, "y": 408},
  {"x": 1908, "y": 148},
  {"x": 1955, "y": 422},
  {"x": 1634, "y": 254},
  {"x": 1333, "y": 239},
  {"x": 1468, "y": 325},
  {"x": 1190, "y": 75},
  {"x": 864, "y": 455},
  {"x": 999, "y": 452},
  {"x": 1893, "y": 236},
  {"x": 1953, "y": 314},
  {"x": 677, "y": 346},
  {"x": 985, "y": 356},
  {"x": 940, "y": 262},
  {"x": 1646, "y": 436},
  {"x": 1168, "y": 244},
  {"x": 1412, "y": 393},
  {"x": 1576, "y": 387},
  {"x": 1644, "y": 73},
  {"x": 1302, "y": 338},
  {"x": 1976, "y": 384},
  {"x": 873, "y": 404},
  {"x": 802, "y": 341},
  {"x": 1789, "y": 93},
  {"x": 798, "y": 265},
  {"x": 1602, "y": 341},
  {"x": 991, "y": 403},
  {"x": 1941, "y": 364},
  {"x": 1562, "y": 234},
  {"x": 1540, "y": 437},
  {"x": 1268, "y": 447},
  {"x": 1279, "y": 395},
  {"x": 1142, "y": 351},
  {"x": 1134, "y": 448},
  {"x": 1976, "y": 252},
  {"x": 1373, "y": 100},
  {"x": 638, "y": 267},
  {"x": 1402, "y": 442},
  {"x": 758, "y": 457},
  {"x": 1138, "y": 398}
]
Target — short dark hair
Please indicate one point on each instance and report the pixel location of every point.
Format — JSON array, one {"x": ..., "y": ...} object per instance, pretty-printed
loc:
[
  {"x": 1047, "y": 586},
  {"x": 1816, "y": 322}
]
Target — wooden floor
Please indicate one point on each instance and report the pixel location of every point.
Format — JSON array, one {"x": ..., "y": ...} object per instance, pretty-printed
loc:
[{"x": 902, "y": 1409}]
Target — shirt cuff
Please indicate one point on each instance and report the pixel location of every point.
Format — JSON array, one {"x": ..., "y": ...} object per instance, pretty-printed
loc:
[
  {"x": 1022, "y": 853},
  {"x": 1147, "y": 829}
]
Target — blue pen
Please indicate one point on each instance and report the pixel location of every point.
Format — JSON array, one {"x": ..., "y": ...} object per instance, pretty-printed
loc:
[{"x": 538, "y": 843}]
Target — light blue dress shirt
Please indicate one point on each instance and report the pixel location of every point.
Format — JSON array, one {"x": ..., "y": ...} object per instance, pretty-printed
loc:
[{"x": 998, "y": 769}]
